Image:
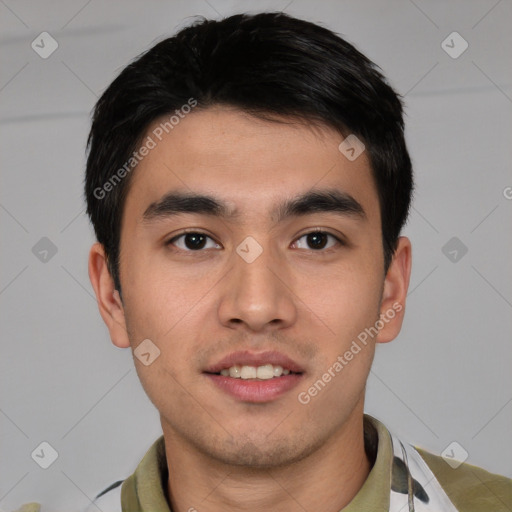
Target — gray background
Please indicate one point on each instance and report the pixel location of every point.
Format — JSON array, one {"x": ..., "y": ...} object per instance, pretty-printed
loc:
[{"x": 448, "y": 375}]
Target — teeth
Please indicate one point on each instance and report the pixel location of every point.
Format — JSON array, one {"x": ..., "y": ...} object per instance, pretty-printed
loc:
[
  {"x": 248, "y": 372},
  {"x": 265, "y": 372},
  {"x": 234, "y": 372}
]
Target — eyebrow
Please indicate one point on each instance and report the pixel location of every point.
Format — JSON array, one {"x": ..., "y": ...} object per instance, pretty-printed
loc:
[{"x": 314, "y": 201}]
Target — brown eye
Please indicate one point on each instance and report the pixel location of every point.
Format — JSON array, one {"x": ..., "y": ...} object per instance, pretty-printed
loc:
[
  {"x": 193, "y": 242},
  {"x": 317, "y": 240}
]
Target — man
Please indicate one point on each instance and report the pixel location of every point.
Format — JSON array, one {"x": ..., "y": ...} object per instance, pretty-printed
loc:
[{"x": 248, "y": 180}]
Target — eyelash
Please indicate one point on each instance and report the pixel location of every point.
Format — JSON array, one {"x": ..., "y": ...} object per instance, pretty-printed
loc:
[{"x": 339, "y": 241}]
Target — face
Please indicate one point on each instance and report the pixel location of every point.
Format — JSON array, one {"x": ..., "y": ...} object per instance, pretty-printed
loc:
[{"x": 272, "y": 274}]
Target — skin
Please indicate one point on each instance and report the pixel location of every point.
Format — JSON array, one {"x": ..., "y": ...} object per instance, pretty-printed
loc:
[{"x": 199, "y": 306}]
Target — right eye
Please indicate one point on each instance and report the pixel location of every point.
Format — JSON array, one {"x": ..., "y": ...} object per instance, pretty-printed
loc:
[{"x": 193, "y": 241}]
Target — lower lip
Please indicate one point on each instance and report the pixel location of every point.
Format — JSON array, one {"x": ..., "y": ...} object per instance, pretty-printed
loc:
[{"x": 256, "y": 391}]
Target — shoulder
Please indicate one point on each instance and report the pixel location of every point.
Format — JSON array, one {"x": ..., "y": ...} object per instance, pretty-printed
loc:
[{"x": 470, "y": 488}]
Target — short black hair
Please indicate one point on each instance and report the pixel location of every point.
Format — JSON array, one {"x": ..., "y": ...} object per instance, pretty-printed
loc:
[{"x": 266, "y": 64}]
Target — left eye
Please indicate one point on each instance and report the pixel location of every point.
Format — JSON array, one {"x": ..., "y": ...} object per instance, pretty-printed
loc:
[
  {"x": 317, "y": 240},
  {"x": 193, "y": 242}
]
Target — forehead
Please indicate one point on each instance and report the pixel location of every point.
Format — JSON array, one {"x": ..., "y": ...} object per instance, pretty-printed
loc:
[{"x": 247, "y": 162}]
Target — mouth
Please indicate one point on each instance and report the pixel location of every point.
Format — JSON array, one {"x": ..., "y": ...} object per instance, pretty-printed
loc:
[
  {"x": 255, "y": 378},
  {"x": 264, "y": 372}
]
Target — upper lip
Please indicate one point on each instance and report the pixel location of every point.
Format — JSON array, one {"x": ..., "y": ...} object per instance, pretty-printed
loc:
[{"x": 248, "y": 358}]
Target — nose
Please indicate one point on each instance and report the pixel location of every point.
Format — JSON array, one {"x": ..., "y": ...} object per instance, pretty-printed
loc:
[{"x": 257, "y": 295}]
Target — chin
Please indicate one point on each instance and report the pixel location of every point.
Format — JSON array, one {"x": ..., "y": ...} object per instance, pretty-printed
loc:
[
  {"x": 261, "y": 453},
  {"x": 250, "y": 455}
]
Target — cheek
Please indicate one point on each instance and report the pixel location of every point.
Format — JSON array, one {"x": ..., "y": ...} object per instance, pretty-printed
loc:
[
  {"x": 348, "y": 306},
  {"x": 173, "y": 310},
  {"x": 161, "y": 294},
  {"x": 163, "y": 313},
  {"x": 346, "y": 299}
]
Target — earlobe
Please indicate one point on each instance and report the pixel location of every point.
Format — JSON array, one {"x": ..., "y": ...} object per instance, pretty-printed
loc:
[
  {"x": 394, "y": 294},
  {"x": 109, "y": 301}
]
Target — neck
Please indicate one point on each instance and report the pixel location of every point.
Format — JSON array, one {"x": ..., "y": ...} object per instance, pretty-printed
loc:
[{"x": 325, "y": 481}]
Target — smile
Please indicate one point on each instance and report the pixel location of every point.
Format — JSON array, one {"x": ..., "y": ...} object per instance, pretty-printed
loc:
[
  {"x": 264, "y": 372},
  {"x": 255, "y": 377}
]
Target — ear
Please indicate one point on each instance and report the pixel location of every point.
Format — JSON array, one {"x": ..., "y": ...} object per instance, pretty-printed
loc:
[
  {"x": 396, "y": 284},
  {"x": 109, "y": 301}
]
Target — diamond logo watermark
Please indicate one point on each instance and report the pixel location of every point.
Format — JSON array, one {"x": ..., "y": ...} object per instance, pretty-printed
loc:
[
  {"x": 44, "y": 250},
  {"x": 146, "y": 352},
  {"x": 351, "y": 147},
  {"x": 249, "y": 249},
  {"x": 44, "y": 45},
  {"x": 454, "y": 455},
  {"x": 44, "y": 455},
  {"x": 454, "y": 45},
  {"x": 454, "y": 249}
]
